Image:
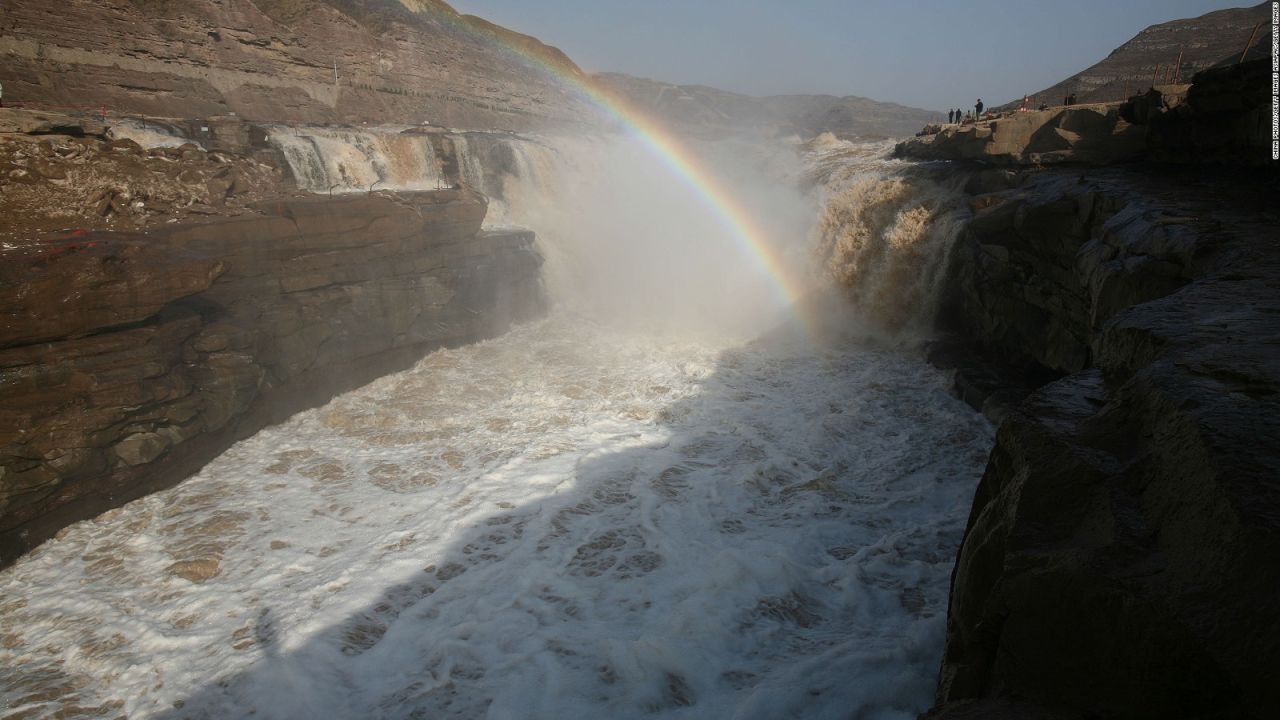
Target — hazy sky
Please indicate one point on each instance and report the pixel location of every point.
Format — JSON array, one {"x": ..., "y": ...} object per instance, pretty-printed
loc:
[{"x": 927, "y": 53}]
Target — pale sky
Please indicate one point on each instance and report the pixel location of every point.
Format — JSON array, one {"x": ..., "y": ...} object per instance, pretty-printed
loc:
[{"x": 931, "y": 54}]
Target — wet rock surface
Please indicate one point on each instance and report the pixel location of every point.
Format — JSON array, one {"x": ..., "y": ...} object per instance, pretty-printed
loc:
[
  {"x": 1119, "y": 560},
  {"x": 129, "y": 360}
]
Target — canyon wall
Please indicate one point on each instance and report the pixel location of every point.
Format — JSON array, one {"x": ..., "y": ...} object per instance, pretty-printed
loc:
[
  {"x": 1119, "y": 559},
  {"x": 291, "y": 61},
  {"x": 128, "y": 360}
]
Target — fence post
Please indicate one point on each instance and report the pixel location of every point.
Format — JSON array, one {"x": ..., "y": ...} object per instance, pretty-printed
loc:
[{"x": 1250, "y": 43}]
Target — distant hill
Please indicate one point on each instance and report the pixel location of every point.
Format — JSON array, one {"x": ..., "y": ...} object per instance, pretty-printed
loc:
[
  {"x": 1211, "y": 39},
  {"x": 705, "y": 110}
]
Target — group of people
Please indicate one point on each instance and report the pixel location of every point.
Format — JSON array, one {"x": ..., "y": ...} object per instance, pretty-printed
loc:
[
  {"x": 957, "y": 116},
  {"x": 954, "y": 116}
]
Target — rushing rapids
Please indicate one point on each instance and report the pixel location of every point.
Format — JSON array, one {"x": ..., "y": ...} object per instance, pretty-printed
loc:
[{"x": 671, "y": 498}]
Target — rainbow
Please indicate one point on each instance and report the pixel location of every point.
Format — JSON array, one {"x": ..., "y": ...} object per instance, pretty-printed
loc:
[{"x": 678, "y": 159}]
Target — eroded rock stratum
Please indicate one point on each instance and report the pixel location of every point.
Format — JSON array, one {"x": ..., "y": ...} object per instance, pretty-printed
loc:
[
  {"x": 295, "y": 61},
  {"x": 128, "y": 360}
]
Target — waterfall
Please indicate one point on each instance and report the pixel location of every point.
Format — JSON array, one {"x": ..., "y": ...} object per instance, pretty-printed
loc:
[
  {"x": 350, "y": 160},
  {"x": 656, "y": 503},
  {"x": 469, "y": 165},
  {"x": 626, "y": 239},
  {"x": 885, "y": 233},
  {"x": 882, "y": 236}
]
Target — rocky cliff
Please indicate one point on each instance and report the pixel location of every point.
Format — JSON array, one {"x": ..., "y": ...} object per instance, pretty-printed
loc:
[
  {"x": 701, "y": 110},
  {"x": 1092, "y": 134},
  {"x": 128, "y": 360},
  {"x": 294, "y": 61},
  {"x": 1119, "y": 559},
  {"x": 1221, "y": 117},
  {"x": 1151, "y": 57}
]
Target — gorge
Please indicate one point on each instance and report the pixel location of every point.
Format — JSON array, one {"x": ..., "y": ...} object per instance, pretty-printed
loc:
[{"x": 587, "y": 402}]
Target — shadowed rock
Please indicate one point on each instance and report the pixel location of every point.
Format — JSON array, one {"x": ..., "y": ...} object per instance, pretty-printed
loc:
[{"x": 1119, "y": 559}]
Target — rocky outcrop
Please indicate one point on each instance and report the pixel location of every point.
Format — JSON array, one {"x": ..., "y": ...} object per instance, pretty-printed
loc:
[
  {"x": 294, "y": 61},
  {"x": 1088, "y": 134},
  {"x": 1119, "y": 560},
  {"x": 707, "y": 111},
  {"x": 129, "y": 360},
  {"x": 1225, "y": 119},
  {"x": 1222, "y": 117},
  {"x": 57, "y": 171},
  {"x": 1151, "y": 57}
]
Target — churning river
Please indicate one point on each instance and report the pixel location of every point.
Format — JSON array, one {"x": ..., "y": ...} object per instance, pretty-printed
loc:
[{"x": 580, "y": 519}]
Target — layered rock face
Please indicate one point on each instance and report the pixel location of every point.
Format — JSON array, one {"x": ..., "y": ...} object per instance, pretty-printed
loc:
[
  {"x": 129, "y": 360},
  {"x": 296, "y": 61},
  {"x": 1119, "y": 559},
  {"x": 1151, "y": 57}
]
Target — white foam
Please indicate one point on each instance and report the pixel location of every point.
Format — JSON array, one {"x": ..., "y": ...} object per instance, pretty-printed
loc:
[
  {"x": 578, "y": 524},
  {"x": 584, "y": 518}
]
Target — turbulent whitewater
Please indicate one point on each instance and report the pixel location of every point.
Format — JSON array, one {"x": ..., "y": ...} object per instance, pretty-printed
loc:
[{"x": 642, "y": 506}]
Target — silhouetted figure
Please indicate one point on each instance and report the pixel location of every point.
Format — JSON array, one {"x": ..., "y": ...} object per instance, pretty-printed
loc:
[
  {"x": 951, "y": 116},
  {"x": 1071, "y": 99},
  {"x": 977, "y": 109},
  {"x": 958, "y": 115}
]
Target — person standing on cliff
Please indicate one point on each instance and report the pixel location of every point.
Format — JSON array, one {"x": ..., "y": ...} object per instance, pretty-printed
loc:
[
  {"x": 977, "y": 110},
  {"x": 951, "y": 116}
]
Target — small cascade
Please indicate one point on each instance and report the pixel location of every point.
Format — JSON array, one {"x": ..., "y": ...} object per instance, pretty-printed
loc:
[
  {"x": 349, "y": 160},
  {"x": 469, "y": 167}
]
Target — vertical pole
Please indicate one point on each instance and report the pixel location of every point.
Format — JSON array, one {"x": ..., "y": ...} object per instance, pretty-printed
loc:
[
  {"x": 1177, "y": 75},
  {"x": 1249, "y": 44}
]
